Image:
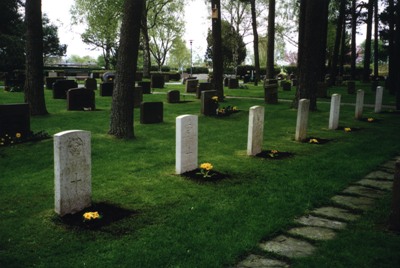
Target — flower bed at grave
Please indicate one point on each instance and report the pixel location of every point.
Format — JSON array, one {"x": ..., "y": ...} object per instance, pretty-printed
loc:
[
  {"x": 274, "y": 154},
  {"x": 314, "y": 140},
  {"x": 205, "y": 173},
  {"x": 19, "y": 138}
]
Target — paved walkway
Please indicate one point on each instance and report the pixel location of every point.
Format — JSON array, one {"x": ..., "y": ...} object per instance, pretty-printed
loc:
[{"x": 324, "y": 222}]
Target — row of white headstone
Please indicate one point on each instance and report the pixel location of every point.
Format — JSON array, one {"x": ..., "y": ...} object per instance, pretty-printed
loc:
[{"x": 72, "y": 150}]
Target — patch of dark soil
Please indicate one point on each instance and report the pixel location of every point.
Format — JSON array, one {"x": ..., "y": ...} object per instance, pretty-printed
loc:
[
  {"x": 315, "y": 140},
  {"x": 274, "y": 155},
  {"x": 195, "y": 175}
]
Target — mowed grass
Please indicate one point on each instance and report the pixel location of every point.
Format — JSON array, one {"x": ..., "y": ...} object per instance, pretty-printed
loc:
[{"x": 176, "y": 222}]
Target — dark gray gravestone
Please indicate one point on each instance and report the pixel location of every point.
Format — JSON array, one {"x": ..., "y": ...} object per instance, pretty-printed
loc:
[
  {"x": 173, "y": 96},
  {"x": 91, "y": 83},
  {"x": 351, "y": 87},
  {"x": 157, "y": 81},
  {"x": 286, "y": 86},
  {"x": 14, "y": 118},
  {"x": 108, "y": 77},
  {"x": 80, "y": 99},
  {"x": 226, "y": 81},
  {"x": 51, "y": 80},
  {"x": 106, "y": 89},
  {"x": 146, "y": 86},
  {"x": 208, "y": 105},
  {"x": 151, "y": 112},
  {"x": 60, "y": 88},
  {"x": 191, "y": 85},
  {"x": 233, "y": 83},
  {"x": 271, "y": 91},
  {"x": 137, "y": 97},
  {"x": 202, "y": 86}
]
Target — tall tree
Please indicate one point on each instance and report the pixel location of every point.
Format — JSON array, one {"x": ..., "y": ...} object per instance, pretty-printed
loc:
[
  {"x": 376, "y": 41},
  {"x": 353, "y": 39},
  {"x": 217, "y": 62},
  {"x": 255, "y": 41},
  {"x": 271, "y": 40},
  {"x": 339, "y": 33},
  {"x": 121, "y": 123},
  {"x": 367, "y": 51},
  {"x": 34, "y": 84},
  {"x": 310, "y": 32}
]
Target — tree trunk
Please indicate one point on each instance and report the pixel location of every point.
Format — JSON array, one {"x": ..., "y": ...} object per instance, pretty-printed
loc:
[
  {"x": 367, "y": 52},
  {"x": 34, "y": 84},
  {"x": 312, "y": 19},
  {"x": 342, "y": 49},
  {"x": 271, "y": 40},
  {"x": 218, "y": 70},
  {"x": 376, "y": 54},
  {"x": 146, "y": 44},
  {"x": 323, "y": 40},
  {"x": 121, "y": 124},
  {"x": 335, "y": 56},
  {"x": 353, "y": 39},
  {"x": 255, "y": 42},
  {"x": 396, "y": 49},
  {"x": 392, "y": 63}
]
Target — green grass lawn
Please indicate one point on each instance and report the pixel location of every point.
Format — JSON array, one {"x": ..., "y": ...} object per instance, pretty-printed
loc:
[{"x": 176, "y": 222}]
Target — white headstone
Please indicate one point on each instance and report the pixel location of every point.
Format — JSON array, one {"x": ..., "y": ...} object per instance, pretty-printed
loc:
[
  {"x": 186, "y": 153},
  {"x": 359, "y": 104},
  {"x": 334, "y": 112},
  {"x": 378, "y": 99},
  {"x": 53, "y": 74},
  {"x": 72, "y": 171},
  {"x": 302, "y": 120},
  {"x": 255, "y": 135}
]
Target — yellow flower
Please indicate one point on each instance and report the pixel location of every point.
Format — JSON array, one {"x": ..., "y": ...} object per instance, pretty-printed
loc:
[
  {"x": 215, "y": 98},
  {"x": 274, "y": 151},
  {"x": 206, "y": 166},
  {"x": 314, "y": 141},
  {"x": 91, "y": 216},
  {"x": 347, "y": 129},
  {"x": 18, "y": 135},
  {"x": 234, "y": 108},
  {"x": 370, "y": 119}
]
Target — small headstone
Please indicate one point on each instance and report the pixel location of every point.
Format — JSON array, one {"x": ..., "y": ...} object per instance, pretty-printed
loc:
[
  {"x": 146, "y": 86},
  {"x": 286, "y": 86},
  {"x": 137, "y": 97},
  {"x": 334, "y": 112},
  {"x": 191, "y": 85},
  {"x": 226, "y": 81},
  {"x": 151, "y": 112},
  {"x": 359, "y": 104},
  {"x": 50, "y": 81},
  {"x": 378, "y": 99},
  {"x": 80, "y": 99},
  {"x": 255, "y": 136},
  {"x": 106, "y": 89},
  {"x": 157, "y": 81},
  {"x": 108, "y": 77},
  {"x": 271, "y": 91},
  {"x": 208, "y": 105},
  {"x": 302, "y": 120},
  {"x": 60, "y": 88},
  {"x": 186, "y": 143},
  {"x": 173, "y": 96},
  {"x": 351, "y": 87},
  {"x": 233, "y": 83},
  {"x": 91, "y": 83},
  {"x": 14, "y": 118},
  {"x": 72, "y": 170},
  {"x": 53, "y": 74},
  {"x": 202, "y": 86}
]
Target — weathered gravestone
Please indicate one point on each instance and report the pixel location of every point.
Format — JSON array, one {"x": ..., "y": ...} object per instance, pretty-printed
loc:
[
  {"x": 286, "y": 86},
  {"x": 233, "y": 83},
  {"x": 60, "y": 88},
  {"x": 80, "y": 99},
  {"x": 146, "y": 86},
  {"x": 50, "y": 81},
  {"x": 91, "y": 83},
  {"x": 53, "y": 74},
  {"x": 359, "y": 104},
  {"x": 186, "y": 145},
  {"x": 302, "y": 120},
  {"x": 157, "y": 81},
  {"x": 208, "y": 105},
  {"x": 255, "y": 134},
  {"x": 351, "y": 87},
  {"x": 334, "y": 112},
  {"x": 14, "y": 118},
  {"x": 202, "y": 86},
  {"x": 378, "y": 99},
  {"x": 106, "y": 89},
  {"x": 137, "y": 97},
  {"x": 173, "y": 96},
  {"x": 151, "y": 112},
  {"x": 72, "y": 171},
  {"x": 271, "y": 91},
  {"x": 191, "y": 85}
]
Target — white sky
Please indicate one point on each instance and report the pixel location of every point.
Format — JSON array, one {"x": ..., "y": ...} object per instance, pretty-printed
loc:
[{"x": 196, "y": 13}]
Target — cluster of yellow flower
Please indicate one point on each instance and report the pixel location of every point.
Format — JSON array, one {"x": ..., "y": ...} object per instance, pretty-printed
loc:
[
  {"x": 273, "y": 153},
  {"x": 10, "y": 140},
  {"x": 313, "y": 141},
  {"x": 347, "y": 129},
  {"x": 206, "y": 166},
  {"x": 370, "y": 119},
  {"x": 215, "y": 98},
  {"x": 88, "y": 216}
]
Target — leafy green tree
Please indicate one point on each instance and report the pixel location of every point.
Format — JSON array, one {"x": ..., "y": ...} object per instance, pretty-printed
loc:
[
  {"x": 51, "y": 42},
  {"x": 179, "y": 55},
  {"x": 229, "y": 49}
]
